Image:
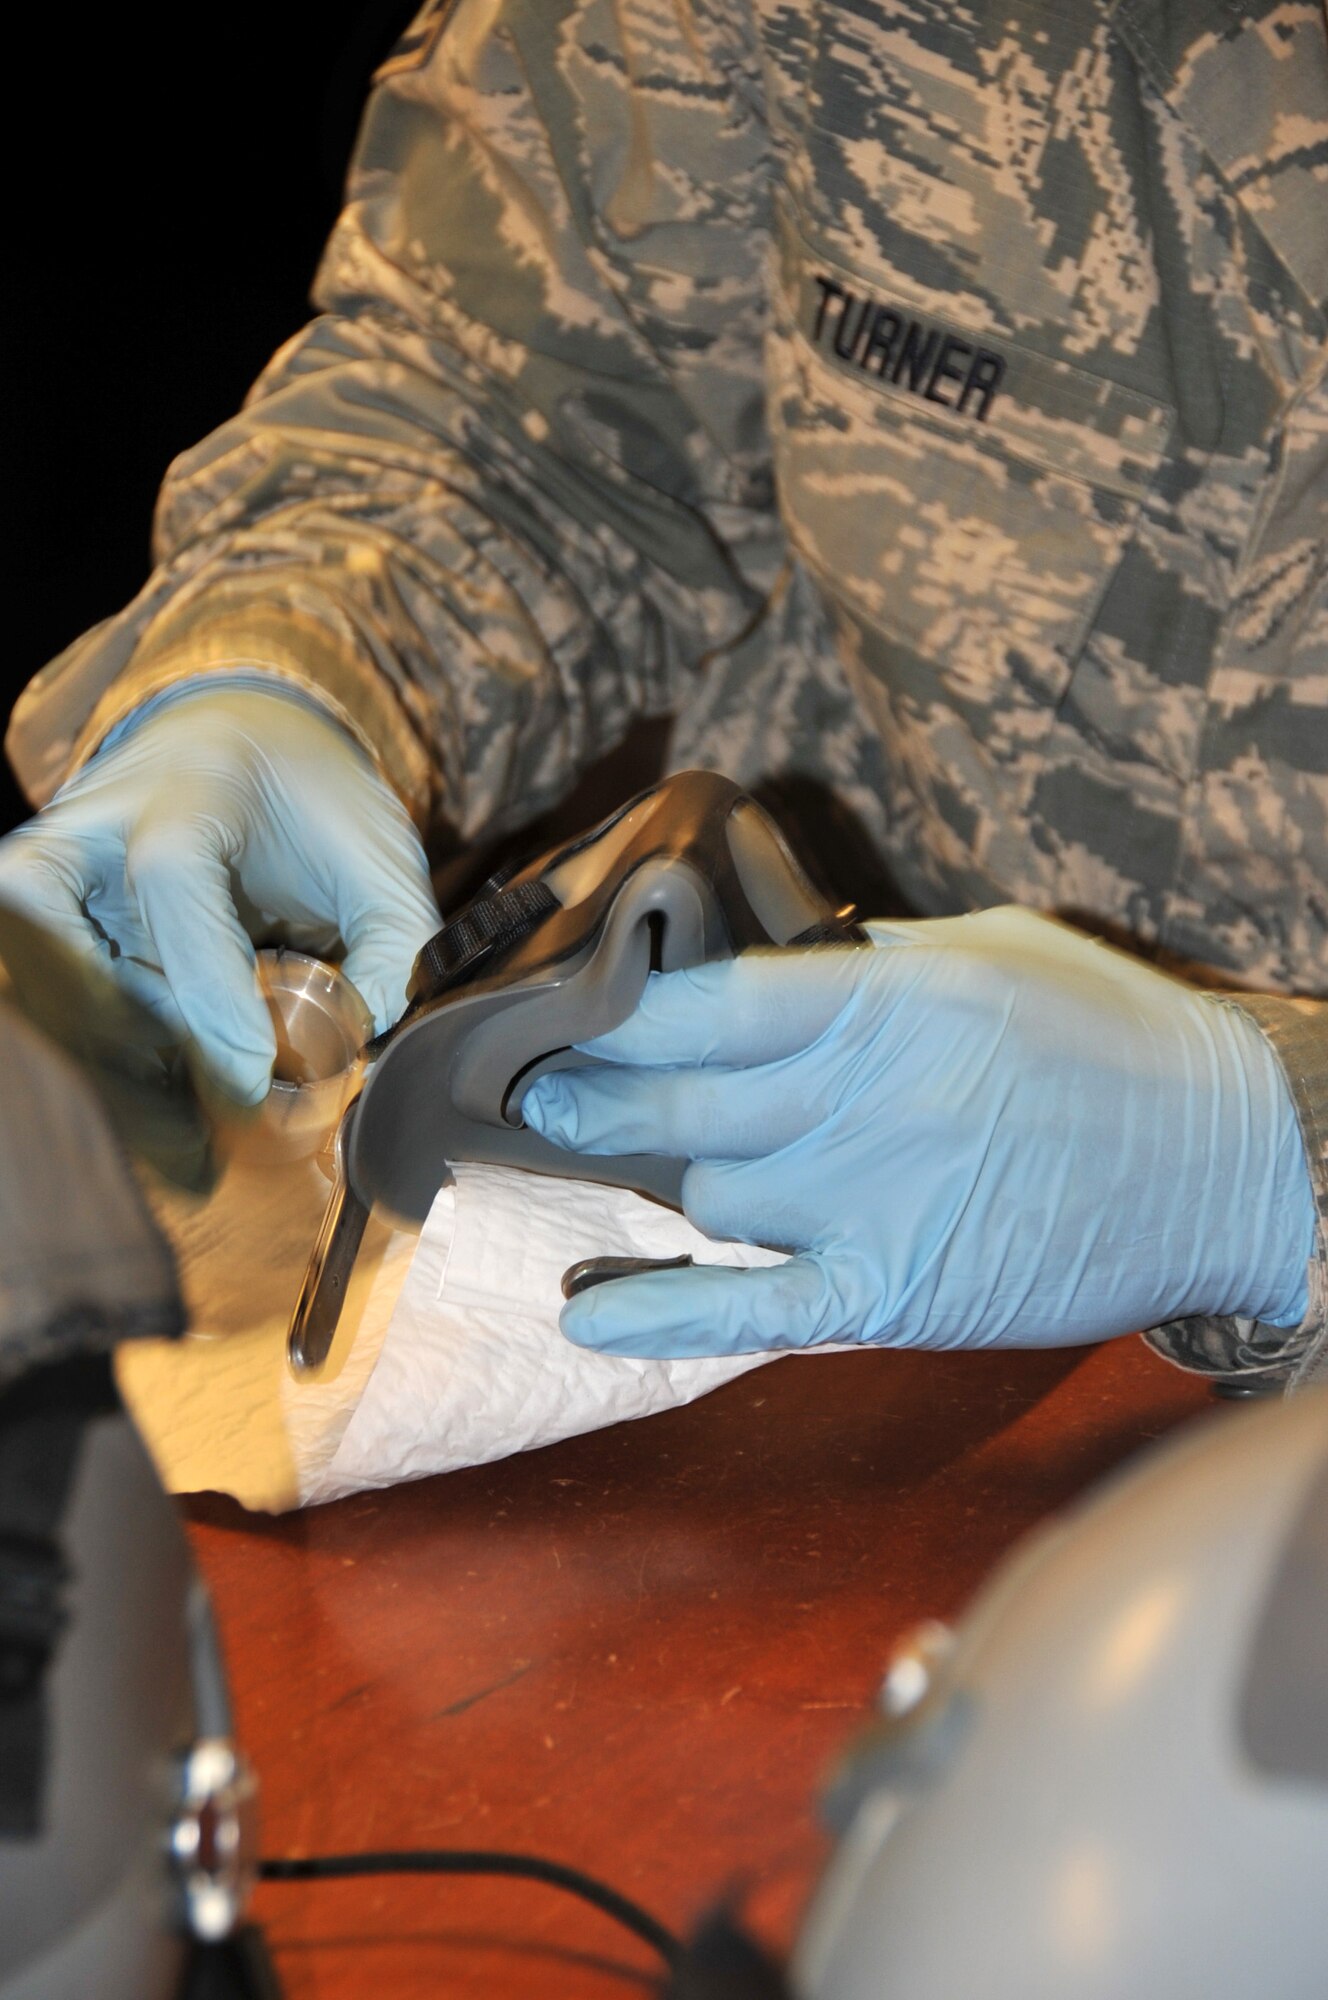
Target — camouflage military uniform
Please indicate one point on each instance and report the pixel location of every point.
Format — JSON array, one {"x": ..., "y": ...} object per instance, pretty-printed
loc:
[{"x": 928, "y": 401}]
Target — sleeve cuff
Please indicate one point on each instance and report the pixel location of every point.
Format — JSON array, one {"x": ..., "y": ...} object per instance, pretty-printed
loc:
[
  {"x": 1278, "y": 1356},
  {"x": 294, "y": 633}
]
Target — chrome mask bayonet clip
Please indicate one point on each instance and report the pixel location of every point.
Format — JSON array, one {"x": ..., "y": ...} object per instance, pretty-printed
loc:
[{"x": 327, "y": 1277}]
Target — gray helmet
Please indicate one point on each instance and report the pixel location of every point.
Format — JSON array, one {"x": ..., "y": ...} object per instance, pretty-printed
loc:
[
  {"x": 126, "y": 1816},
  {"x": 1112, "y": 1781}
]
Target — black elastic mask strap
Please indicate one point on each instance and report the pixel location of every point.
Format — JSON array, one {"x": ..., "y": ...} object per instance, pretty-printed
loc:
[{"x": 482, "y": 927}]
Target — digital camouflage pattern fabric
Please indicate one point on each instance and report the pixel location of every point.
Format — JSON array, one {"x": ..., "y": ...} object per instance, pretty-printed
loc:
[{"x": 927, "y": 402}]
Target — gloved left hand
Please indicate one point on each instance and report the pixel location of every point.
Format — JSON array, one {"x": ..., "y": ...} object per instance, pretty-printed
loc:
[
  {"x": 221, "y": 811},
  {"x": 992, "y": 1131}
]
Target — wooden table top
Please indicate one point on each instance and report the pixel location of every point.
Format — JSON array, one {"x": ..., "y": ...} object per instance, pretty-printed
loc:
[{"x": 635, "y": 1651}]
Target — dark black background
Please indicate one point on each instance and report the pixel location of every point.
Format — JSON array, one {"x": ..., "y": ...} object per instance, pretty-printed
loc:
[
  {"x": 163, "y": 214},
  {"x": 166, "y": 208}
]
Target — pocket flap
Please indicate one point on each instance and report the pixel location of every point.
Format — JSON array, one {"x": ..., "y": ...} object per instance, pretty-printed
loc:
[{"x": 1251, "y": 83}]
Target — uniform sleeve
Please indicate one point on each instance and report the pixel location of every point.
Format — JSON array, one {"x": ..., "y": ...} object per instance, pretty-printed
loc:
[
  {"x": 512, "y": 485},
  {"x": 1276, "y": 1356}
]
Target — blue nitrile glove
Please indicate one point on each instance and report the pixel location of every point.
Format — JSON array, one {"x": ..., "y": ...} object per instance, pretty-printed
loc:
[
  {"x": 217, "y": 814},
  {"x": 995, "y": 1131}
]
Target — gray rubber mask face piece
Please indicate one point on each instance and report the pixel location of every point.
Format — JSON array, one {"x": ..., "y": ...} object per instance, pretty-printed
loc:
[
  {"x": 549, "y": 955},
  {"x": 559, "y": 953}
]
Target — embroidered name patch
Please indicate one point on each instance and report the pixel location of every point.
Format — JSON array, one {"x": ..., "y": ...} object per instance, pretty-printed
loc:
[
  {"x": 907, "y": 352},
  {"x": 1012, "y": 401}
]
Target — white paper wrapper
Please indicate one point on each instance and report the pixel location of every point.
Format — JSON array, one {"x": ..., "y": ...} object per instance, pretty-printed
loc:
[{"x": 449, "y": 1353}]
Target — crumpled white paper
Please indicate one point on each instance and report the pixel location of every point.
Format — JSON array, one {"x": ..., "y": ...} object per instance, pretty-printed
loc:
[
  {"x": 474, "y": 1366},
  {"x": 449, "y": 1354}
]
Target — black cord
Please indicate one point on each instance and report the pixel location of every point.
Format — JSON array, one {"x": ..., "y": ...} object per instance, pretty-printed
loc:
[{"x": 478, "y": 1861}]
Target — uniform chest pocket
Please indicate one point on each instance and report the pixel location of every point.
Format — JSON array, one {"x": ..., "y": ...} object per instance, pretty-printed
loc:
[{"x": 966, "y": 500}]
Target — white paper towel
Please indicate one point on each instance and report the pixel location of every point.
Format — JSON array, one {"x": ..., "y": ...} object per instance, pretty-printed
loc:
[
  {"x": 474, "y": 1366},
  {"x": 449, "y": 1353}
]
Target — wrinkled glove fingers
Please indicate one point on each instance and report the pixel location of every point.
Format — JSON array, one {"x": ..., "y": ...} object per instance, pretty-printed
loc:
[
  {"x": 385, "y": 911},
  {"x": 693, "y": 1114},
  {"x": 45, "y": 876},
  {"x": 362, "y": 869},
  {"x": 180, "y": 878},
  {"x": 707, "y": 1310},
  {"x": 774, "y": 1201},
  {"x": 755, "y": 1009}
]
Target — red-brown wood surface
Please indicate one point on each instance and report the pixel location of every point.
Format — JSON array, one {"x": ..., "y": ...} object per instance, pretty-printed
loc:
[{"x": 634, "y": 1652}]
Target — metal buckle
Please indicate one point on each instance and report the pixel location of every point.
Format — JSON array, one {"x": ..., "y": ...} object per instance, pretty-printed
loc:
[{"x": 214, "y": 1836}]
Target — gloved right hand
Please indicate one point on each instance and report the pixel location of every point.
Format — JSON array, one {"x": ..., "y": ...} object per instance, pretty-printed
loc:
[
  {"x": 992, "y": 1131},
  {"x": 227, "y": 813}
]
